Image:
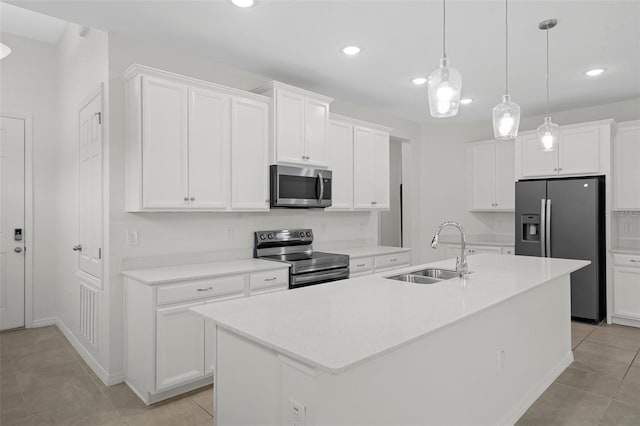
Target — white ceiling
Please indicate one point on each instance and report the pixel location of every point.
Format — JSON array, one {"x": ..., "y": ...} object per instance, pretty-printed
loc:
[
  {"x": 25, "y": 23},
  {"x": 299, "y": 42}
]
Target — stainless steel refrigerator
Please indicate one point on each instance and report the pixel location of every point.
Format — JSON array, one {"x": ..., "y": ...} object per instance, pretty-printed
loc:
[{"x": 565, "y": 218}]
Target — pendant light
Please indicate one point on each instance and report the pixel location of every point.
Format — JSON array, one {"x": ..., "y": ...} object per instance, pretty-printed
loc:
[
  {"x": 445, "y": 83},
  {"x": 548, "y": 132},
  {"x": 506, "y": 115}
]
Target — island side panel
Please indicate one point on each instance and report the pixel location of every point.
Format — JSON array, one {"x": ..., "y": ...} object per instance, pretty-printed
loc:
[{"x": 484, "y": 370}]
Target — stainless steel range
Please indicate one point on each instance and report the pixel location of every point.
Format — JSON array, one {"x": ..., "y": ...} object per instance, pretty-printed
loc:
[{"x": 294, "y": 246}]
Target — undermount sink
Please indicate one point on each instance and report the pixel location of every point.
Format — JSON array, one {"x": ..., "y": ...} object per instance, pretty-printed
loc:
[{"x": 425, "y": 276}]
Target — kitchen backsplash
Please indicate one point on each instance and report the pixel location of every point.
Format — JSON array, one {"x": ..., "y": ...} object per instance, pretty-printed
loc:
[{"x": 625, "y": 228}]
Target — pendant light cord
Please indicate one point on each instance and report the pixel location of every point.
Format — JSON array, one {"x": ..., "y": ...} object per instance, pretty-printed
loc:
[
  {"x": 547, "y": 72},
  {"x": 444, "y": 25},
  {"x": 506, "y": 49}
]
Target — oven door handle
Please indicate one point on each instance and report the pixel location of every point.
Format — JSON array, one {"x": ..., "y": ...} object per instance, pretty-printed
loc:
[{"x": 320, "y": 184}]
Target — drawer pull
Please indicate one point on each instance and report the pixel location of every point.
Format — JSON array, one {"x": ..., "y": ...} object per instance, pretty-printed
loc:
[
  {"x": 634, "y": 260},
  {"x": 359, "y": 265},
  {"x": 205, "y": 289},
  {"x": 270, "y": 279},
  {"x": 393, "y": 260}
]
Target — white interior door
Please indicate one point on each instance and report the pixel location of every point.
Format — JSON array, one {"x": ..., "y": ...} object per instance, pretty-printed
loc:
[
  {"x": 90, "y": 197},
  {"x": 12, "y": 248}
]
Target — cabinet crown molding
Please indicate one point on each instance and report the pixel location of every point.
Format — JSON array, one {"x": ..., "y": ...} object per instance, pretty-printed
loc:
[
  {"x": 272, "y": 85},
  {"x": 356, "y": 122},
  {"x": 607, "y": 121},
  {"x": 138, "y": 69}
]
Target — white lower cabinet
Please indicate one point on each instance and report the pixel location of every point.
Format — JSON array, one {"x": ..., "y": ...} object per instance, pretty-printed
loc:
[
  {"x": 170, "y": 349},
  {"x": 626, "y": 287},
  {"x": 367, "y": 265},
  {"x": 453, "y": 250},
  {"x": 180, "y": 346}
]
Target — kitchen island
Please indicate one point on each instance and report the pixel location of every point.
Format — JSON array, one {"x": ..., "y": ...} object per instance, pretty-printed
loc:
[{"x": 375, "y": 351}]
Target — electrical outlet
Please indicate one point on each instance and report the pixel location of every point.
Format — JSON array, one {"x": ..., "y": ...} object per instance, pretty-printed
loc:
[
  {"x": 132, "y": 238},
  {"x": 298, "y": 413}
]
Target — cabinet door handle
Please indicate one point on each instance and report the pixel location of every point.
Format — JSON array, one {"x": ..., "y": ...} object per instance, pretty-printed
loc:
[
  {"x": 205, "y": 289},
  {"x": 360, "y": 265},
  {"x": 193, "y": 198},
  {"x": 634, "y": 260},
  {"x": 186, "y": 198},
  {"x": 374, "y": 202},
  {"x": 270, "y": 279}
]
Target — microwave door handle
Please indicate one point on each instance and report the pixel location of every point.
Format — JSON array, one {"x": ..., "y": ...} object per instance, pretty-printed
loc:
[{"x": 320, "y": 180}]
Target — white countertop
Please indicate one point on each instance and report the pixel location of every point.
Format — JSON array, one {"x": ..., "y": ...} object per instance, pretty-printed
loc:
[
  {"x": 338, "y": 325},
  {"x": 355, "y": 252},
  {"x": 480, "y": 239},
  {"x": 201, "y": 270}
]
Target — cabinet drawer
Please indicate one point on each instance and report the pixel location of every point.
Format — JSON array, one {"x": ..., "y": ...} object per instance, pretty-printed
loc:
[
  {"x": 269, "y": 279},
  {"x": 361, "y": 264},
  {"x": 391, "y": 261},
  {"x": 627, "y": 260},
  {"x": 482, "y": 249},
  {"x": 200, "y": 289}
]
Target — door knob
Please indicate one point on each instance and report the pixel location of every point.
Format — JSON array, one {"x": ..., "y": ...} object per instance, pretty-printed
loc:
[
  {"x": 77, "y": 248},
  {"x": 18, "y": 249}
]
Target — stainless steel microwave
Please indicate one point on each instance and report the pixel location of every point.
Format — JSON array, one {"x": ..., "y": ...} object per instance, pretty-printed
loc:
[{"x": 300, "y": 187}]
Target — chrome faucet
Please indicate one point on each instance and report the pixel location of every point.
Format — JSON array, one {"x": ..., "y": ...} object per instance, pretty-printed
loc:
[{"x": 461, "y": 262}]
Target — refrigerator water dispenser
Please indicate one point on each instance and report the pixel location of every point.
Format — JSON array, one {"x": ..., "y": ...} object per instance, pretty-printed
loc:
[{"x": 530, "y": 227}]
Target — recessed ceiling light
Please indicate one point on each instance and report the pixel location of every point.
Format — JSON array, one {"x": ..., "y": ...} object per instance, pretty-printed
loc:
[
  {"x": 466, "y": 101},
  {"x": 594, "y": 72},
  {"x": 351, "y": 50},
  {"x": 4, "y": 50},
  {"x": 243, "y": 3},
  {"x": 418, "y": 81}
]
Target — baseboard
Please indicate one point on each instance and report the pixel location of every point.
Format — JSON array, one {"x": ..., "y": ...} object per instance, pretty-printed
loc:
[
  {"x": 518, "y": 411},
  {"x": 107, "y": 378},
  {"x": 44, "y": 322},
  {"x": 625, "y": 321}
]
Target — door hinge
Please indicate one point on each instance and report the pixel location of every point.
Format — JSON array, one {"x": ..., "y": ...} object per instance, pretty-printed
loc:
[
  {"x": 99, "y": 114},
  {"x": 100, "y": 253}
]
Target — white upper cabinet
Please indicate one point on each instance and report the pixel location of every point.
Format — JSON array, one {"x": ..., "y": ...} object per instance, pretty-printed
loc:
[
  {"x": 491, "y": 176},
  {"x": 208, "y": 149},
  {"x": 193, "y": 145},
  {"x": 626, "y": 166},
  {"x": 300, "y": 124},
  {"x": 370, "y": 168},
  {"x": 581, "y": 150},
  {"x": 165, "y": 174},
  {"x": 380, "y": 182},
  {"x": 249, "y": 143},
  {"x": 340, "y": 156}
]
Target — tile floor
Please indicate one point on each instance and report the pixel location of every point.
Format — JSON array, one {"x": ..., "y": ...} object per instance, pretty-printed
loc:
[{"x": 43, "y": 381}]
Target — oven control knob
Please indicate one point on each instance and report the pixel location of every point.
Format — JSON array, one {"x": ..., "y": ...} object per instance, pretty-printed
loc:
[
  {"x": 263, "y": 237},
  {"x": 308, "y": 234},
  {"x": 271, "y": 236},
  {"x": 301, "y": 234}
]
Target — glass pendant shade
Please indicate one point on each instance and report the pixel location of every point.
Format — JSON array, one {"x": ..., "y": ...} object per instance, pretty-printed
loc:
[
  {"x": 506, "y": 119},
  {"x": 548, "y": 134},
  {"x": 444, "y": 87}
]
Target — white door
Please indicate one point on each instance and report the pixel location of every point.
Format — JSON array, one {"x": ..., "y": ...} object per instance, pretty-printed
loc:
[
  {"x": 627, "y": 172},
  {"x": 579, "y": 151},
  {"x": 505, "y": 176},
  {"x": 179, "y": 346},
  {"x": 316, "y": 121},
  {"x": 209, "y": 146},
  {"x": 12, "y": 248},
  {"x": 165, "y": 179},
  {"x": 90, "y": 197},
  {"x": 249, "y": 162},
  {"x": 340, "y": 156},
  {"x": 362, "y": 168},
  {"x": 380, "y": 170},
  {"x": 483, "y": 156},
  {"x": 290, "y": 127}
]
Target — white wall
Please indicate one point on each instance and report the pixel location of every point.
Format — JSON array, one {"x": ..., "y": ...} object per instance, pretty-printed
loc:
[
  {"x": 443, "y": 178},
  {"x": 28, "y": 86},
  {"x": 219, "y": 234},
  {"x": 81, "y": 68}
]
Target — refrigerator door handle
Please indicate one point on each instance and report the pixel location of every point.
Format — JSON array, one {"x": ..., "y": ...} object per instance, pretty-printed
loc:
[
  {"x": 543, "y": 228},
  {"x": 548, "y": 229}
]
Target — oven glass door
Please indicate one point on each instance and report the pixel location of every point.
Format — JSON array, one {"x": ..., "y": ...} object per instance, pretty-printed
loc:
[{"x": 318, "y": 277}]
